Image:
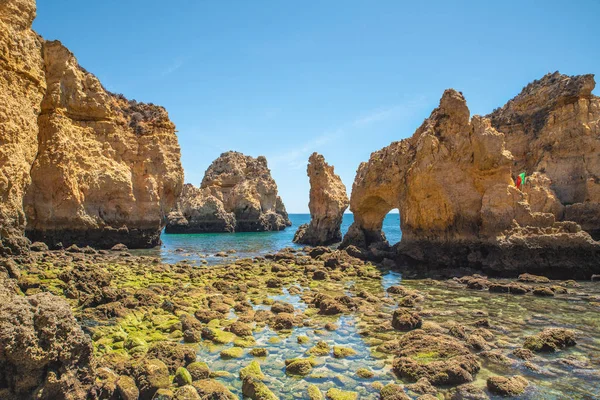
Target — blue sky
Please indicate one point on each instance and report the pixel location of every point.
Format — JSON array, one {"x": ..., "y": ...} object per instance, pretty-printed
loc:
[{"x": 341, "y": 77}]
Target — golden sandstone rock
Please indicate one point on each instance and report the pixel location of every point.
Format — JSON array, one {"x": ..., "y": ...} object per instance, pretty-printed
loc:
[
  {"x": 328, "y": 201},
  {"x": 237, "y": 194},
  {"x": 97, "y": 169},
  {"x": 453, "y": 184}
]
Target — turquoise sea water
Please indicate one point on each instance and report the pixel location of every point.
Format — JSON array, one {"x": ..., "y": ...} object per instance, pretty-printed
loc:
[{"x": 203, "y": 246}]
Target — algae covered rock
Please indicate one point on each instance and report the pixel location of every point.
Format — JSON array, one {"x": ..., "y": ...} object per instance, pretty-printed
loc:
[
  {"x": 212, "y": 389},
  {"x": 442, "y": 359},
  {"x": 299, "y": 366},
  {"x": 404, "y": 320},
  {"x": 151, "y": 375},
  {"x": 504, "y": 386},
  {"x": 337, "y": 394},
  {"x": 198, "y": 370},
  {"x": 392, "y": 391},
  {"x": 182, "y": 377},
  {"x": 187, "y": 392},
  {"x": 127, "y": 388},
  {"x": 314, "y": 393},
  {"x": 174, "y": 355},
  {"x": 550, "y": 340},
  {"x": 343, "y": 352},
  {"x": 252, "y": 385}
]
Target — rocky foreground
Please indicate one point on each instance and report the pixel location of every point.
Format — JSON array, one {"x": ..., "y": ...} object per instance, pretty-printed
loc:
[
  {"x": 110, "y": 325},
  {"x": 237, "y": 194}
]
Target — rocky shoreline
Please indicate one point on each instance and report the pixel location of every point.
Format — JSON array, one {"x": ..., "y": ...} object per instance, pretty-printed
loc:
[{"x": 314, "y": 323}]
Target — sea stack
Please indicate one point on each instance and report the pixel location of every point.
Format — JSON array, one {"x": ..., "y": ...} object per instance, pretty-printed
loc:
[
  {"x": 453, "y": 184},
  {"x": 328, "y": 201},
  {"x": 237, "y": 194},
  {"x": 79, "y": 165}
]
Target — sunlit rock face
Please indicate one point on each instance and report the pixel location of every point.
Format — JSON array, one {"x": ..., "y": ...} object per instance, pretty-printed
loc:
[
  {"x": 107, "y": 169},
  {"x": 22, "y": 86},
  {"x": 453, "y": 184},
  {"x": 78, "y": 164},
  {"x": 237, "y": 194},
  {"x": 553, "y": 128},
  {"x": 328, "y": 201}
]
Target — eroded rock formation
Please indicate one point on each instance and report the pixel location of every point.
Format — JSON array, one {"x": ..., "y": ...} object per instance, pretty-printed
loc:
[
  {"x": 78, "y": 165},
  {"x": 22, "y": 86},
  {"x": 328, "y": 201},
  {"x": 553, "y": 128},
  {"x": 237, "y": 194},
  {"x": 44, "y": 354},
  {"x": 453, "y": 184}
]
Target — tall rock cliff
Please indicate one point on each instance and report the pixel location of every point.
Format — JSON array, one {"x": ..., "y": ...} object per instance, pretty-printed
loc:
[
  {"x": 328, "y": 201},
  {"x": 237, "y": 194},
  {"x": 452, "y": 182},
  {"x": 553, "y": 128},
  {"x": 78, "y": 164},
  {"x": 22, "y": 86}
]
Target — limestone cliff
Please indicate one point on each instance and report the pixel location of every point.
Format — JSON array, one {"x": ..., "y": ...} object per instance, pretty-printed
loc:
[
  {"x": 77, "y": 163},
  {"x": 452, "y": 182},
  {"x": 328, "y": 201},
  {"x": 22, "y": 86},
  {"x": 237, "y": 194},
  {"x": 553, "y": 128}
]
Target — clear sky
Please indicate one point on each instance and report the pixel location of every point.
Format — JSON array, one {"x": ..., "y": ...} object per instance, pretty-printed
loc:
[{"x": 342, "y": 77}]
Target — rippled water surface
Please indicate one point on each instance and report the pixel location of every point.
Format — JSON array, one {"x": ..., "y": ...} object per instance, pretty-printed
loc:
[{"x": 204, "y": 246}]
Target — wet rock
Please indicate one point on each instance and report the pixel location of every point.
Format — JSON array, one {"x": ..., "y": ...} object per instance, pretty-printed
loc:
[
  {"x": 331, "y": 306},
  {"x": 205, "y": 316},
  {"x": 127, "y": 388},
  {"x": 422, "y": 386},
  {"x": 393, "y": 392},
  {"x": 314, "y": 393},
  {"x": 252, "y": 385},
  {"x": 283, "y": 321},
  {"x": 503, "y": 386},
  {"x": 404, "y": 320},
  {"x": 182, "y": 377},
  {"x": 337, "y": 394},
  {"x": 42, "y": 348},
  {"x": 240, "y": 329},
  {"x": 259, "y": 352},
  {"x": 441, "y": 359},
  {"x": 550, "y": 340},
  {"x": 172, "y": 354},
  {"x": 299, "y": 366},
  {"x": 364, "y": 373},
  {"x": 320, "y": 275},
  {"x": 274, "y": 283},
  {"x": 532, "y": 278},
  {"x": 213, "y": 390},
  {"x": 343, "y": 352},
  {"x": 38, "y": 246},
  {"x": 468, "y": 392},
  {"x": 233, "y": 352},
  {"x": 318, "y": 251},
  {"x": 198, "y": 370},
  {"x": 320, "y": 349},
  {"x": 282, "y": 307},
  {"x": 523, "y": 354},
  {"x": 512, "y": 288},
  {"x": 150, "y": 376},
  {"x": 187, "y": 392},
  {"x": 543, "y": 292}
]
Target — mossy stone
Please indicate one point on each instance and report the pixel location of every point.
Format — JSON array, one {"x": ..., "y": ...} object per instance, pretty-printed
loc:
[
  {"x": 343, "y": 352},
  {"x": 337, "y": 394},
  {"x": 182, "y": 377},
  {"x": 233, "y": 352}
]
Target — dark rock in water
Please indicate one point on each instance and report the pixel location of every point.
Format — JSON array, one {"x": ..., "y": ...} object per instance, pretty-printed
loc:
[
  {"x": 503, "y": 386},
  {"x": 550, "y": 340},
  {"x": 43, "y": 349},
  {"x": 38, "y": 246},
  {"x": 404, "y": 320},
  {"x": 595, "y": 278},
  {"x": 533, "y": 278},
  {"x": 174, "y": 355},
  {"x": 237, "y": 194},
  {"x": 328, "y": 201}
]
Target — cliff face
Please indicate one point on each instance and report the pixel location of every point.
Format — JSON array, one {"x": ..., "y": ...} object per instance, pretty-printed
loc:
[
  {"x": 79, "y": 164},
  {"x": 452, "y": 182},
  {"x": 22, "y": 86},
  {"x": 328, "y": 201},
  {"x": 553, "y": 128},
  {"x": 237, "y": 194}
]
